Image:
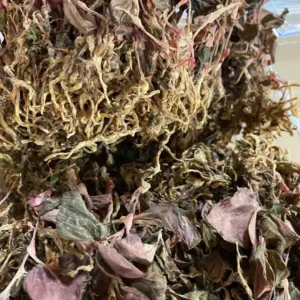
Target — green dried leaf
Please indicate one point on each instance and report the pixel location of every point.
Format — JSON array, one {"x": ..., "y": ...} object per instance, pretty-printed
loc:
[
  {"x": 278, "y": 266},
  {"x": 261, "y": 283},
  {"x": 49, "y": 204},
  {"x": 76, "y": 223},
  {"x": 154, "y": 286},
  {"x": 276, "y": 233},
  {"x": 208, "y": 236},
  {"x": 166, "y": 263}
]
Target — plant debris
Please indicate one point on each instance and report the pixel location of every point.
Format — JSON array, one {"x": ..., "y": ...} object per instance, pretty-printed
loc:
[{"x": 137, "y": 152}]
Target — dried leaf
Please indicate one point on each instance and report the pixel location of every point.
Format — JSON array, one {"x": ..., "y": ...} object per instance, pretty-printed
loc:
[
  {"x": 39, "y": 199},
  {"x": 278, "y": 267},
  {"x": 120, "y": 16},
  {"x": 154, "y": 286},
  {"x": 75, "y": 222},
  {"x": 276, "y": 233},
  {"x": 131, "y": 293},
  {"x": 215, "y": 266},
  {"x": 208, "y": 236},
  {"x": 261, "y": 284},
  {"x": 167, "y": 264},
  {"x": 40, "y": 285},
  {"x": 49, "y": 204},
  {"x": 118, "y": 263},
  {"x": 133, "y": 249},
  {"x": 250, "y": 31},
  {"x": 50, "y": 216},
  {"x": 84, "y": 23},
  {"x": 231, "y": 217},
  {"x": 169, "y": 217}
]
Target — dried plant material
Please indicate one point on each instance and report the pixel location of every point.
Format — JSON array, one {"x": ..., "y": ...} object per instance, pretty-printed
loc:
[
  {"x": 39, "y": 199},
  {"x": 170, "y": 217},
  {"x": 133, "y": 249},
  {"x": 141, "y": 136},
  {"x": 75, "y": 222},
  {"x": 118, "y": 263},
  {"x": 72, "y": 13},
  {"x": 6, "y": 293},
  {"x": 154, "y": 286},
  {"x": 231, "y": 217},
  {"x": 131, "y": 293},
  {"x": 40, "y": 284}
]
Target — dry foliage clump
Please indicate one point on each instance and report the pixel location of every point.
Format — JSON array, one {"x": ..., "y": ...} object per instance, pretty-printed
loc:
[{"x": 137, "y": 152}]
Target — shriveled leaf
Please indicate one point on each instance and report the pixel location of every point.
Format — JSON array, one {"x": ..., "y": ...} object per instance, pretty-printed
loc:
[
  {"x": 83, "y": 22},
  {"x": 214, "y": 266},
  {"x": 208, "y": 236},
  {"x": 154, "y": 286},
  {"x": 50, "y": 204},
  {"x": 193, "y": 295},
  {"x": 75, "y": 222},
  {"x": 101, "y": 201},
  {"x": 50, "y": 216},
  {"x": 166, "y": 263},
  {"x": 119, "y": 16},
  {"x": 39, "y": 284},
  {"x": 168, "y": 216},
  {"x": 118, "y": 263},
  {"x": 72, "y": 264},
  {"x": 133, "y": 249},
  {"x": 250, "y": 31},
  {"x": 261, "y": 284},
  {"x": 278, "y": 266},
  {"x": 252, "y": 229},
  {"x": 39, "y": 199},
  {"x": 131, "y": 293},
  {"x": 276, "y": 233},
  {"x": 231, "y": 217}
]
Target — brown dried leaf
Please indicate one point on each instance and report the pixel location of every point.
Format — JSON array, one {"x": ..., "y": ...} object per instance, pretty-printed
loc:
[
  {"x": 214, "y": 266},
  {"x": 231, "y": 217},
  {"x": 250, "y": 31}
]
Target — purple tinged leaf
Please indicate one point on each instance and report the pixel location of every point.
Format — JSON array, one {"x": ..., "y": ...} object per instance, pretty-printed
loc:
[
  {"x": 118, "y": 263},
  {"x": 231, "y": 217},
  {"x": 39, "y": 284}
]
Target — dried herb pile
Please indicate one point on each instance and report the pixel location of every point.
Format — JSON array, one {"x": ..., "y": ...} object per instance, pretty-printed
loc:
[{"x": 137, "y": 152}]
